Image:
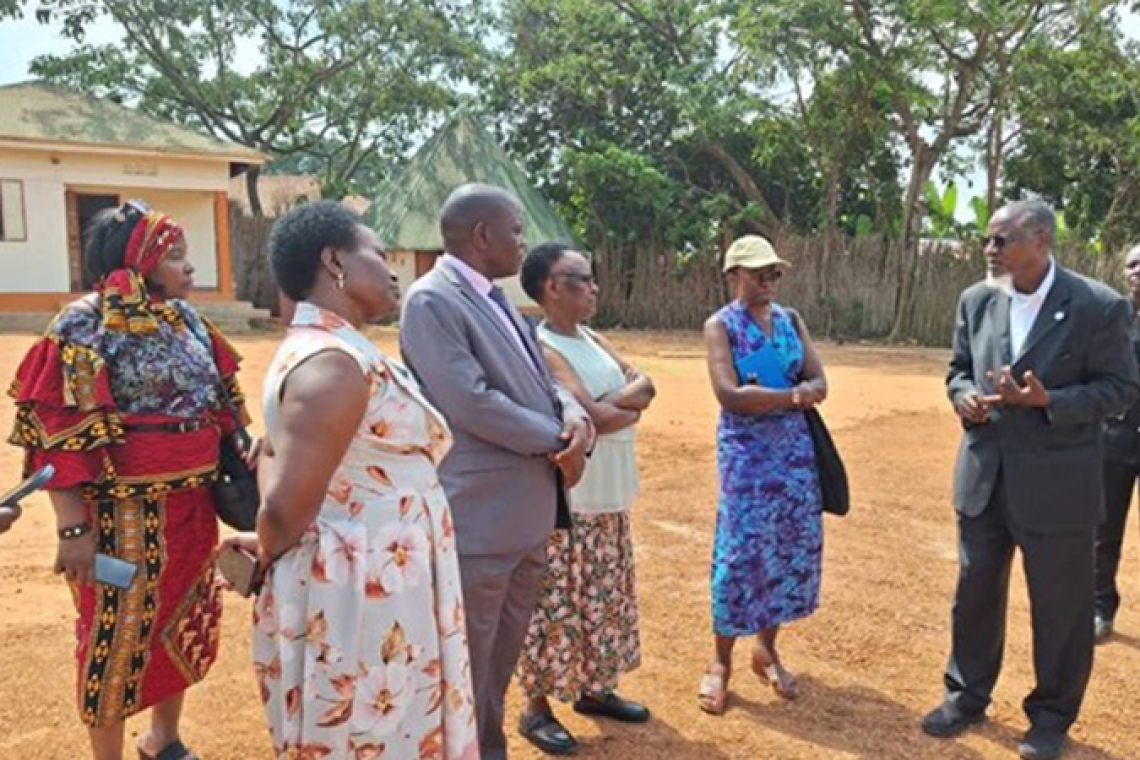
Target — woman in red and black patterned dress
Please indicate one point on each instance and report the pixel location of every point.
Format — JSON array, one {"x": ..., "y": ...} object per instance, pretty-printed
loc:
[{"x": 122, "y": 395}]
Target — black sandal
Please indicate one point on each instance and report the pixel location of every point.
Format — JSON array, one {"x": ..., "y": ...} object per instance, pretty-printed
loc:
[{"x": 176, "y": 750}]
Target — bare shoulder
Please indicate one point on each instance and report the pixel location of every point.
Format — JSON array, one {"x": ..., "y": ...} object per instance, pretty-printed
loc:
[
  {"x": 327, "y": 374},
  {"x": 714, "y": 324}
]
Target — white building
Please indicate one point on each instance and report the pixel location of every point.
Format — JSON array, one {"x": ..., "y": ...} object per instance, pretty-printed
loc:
[{"x": 65, "y": 156}]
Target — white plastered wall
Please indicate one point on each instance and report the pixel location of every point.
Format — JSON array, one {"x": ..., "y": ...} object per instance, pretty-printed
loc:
[{"x": 182, "y": 188}]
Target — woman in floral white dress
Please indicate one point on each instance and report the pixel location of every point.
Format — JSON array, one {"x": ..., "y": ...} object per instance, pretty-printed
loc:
[{"x": 359, "y": 639}]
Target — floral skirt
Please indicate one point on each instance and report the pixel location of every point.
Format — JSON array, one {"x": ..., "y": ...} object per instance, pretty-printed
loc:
[{"x": 584, "y": 633}]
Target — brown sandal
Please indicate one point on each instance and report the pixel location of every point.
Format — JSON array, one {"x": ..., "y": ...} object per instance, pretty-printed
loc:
[
  {"x": 713, "y": 694},
  {"x": 775, "y": 674}
]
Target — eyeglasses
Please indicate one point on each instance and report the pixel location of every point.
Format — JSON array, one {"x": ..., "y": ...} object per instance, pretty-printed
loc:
[
  {"x": 765, "y": 275},
  {"x": 998, "y": 241},
  {"x": 577, "y": 278}
]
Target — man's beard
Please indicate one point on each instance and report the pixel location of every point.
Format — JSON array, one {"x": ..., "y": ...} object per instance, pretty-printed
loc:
[{"x": 1000, "y": 281}]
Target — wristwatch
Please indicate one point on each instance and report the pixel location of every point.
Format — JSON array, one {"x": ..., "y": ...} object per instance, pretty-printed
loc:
[{"x": 796, "y": 397}]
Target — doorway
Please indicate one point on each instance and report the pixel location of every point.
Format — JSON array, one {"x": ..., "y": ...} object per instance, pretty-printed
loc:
[
  {"x": 81, "y": 209},
  {"x": 425, "y": 262}
]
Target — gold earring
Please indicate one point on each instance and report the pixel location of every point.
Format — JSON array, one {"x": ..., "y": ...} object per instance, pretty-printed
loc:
[{"x": 340, "y": 280}]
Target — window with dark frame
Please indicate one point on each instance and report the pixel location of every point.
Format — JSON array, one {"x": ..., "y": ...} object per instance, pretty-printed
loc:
[{"x": 13, "y": 221}]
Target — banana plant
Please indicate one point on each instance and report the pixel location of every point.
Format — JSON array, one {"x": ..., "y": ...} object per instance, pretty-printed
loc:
[
  {"x": 940, "y": 208},
  {"x": 981, "y": 211}
]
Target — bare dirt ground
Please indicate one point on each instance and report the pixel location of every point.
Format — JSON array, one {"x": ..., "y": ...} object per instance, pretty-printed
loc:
[{"x": 870, "y": 661}]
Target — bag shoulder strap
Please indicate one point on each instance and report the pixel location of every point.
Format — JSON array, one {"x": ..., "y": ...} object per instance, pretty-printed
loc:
[{"x": 202, "y": 336}]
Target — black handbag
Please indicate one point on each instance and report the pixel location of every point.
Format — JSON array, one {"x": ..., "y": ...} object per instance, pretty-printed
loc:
[
  {"x": 832, "y": 473},
  {"x": 236, "y": 498}
]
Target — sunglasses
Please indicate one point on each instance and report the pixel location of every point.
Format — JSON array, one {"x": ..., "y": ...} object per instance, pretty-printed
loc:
[{"x": 997, "y": 241}]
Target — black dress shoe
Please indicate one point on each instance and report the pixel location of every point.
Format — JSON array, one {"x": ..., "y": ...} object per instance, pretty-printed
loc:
[
  {"x": 545, "y": 732},
  {"x": 1039, "y": 744},
  {"x": 1103, "y": 629},
  {"x": 947, "y": 721},
  {"x": 612, "y": 706}
]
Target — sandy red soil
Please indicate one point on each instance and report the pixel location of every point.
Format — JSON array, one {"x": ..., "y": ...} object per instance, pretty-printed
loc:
[{"x": 870, "y": 661}]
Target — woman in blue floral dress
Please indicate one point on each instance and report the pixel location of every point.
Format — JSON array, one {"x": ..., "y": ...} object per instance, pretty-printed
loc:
[{"x": 769, "y": 536}]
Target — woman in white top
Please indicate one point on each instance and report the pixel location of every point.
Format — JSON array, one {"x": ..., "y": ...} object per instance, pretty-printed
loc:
[{"x": 584, "y": 633}]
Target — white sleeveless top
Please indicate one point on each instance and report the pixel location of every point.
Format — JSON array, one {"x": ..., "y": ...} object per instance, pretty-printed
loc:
[{"x": 610, "y": 482}]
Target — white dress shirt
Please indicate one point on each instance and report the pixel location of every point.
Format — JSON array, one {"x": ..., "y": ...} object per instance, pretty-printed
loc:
[
  {"x": 483, "y": 286},
  {"x": 1024, "y": 309}
]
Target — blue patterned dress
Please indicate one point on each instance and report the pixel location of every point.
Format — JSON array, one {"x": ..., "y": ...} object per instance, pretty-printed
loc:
[{"x": 769, "y": 531}]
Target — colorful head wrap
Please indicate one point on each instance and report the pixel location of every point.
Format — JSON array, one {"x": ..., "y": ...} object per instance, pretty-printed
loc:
[{"x": 127, "y": 305}]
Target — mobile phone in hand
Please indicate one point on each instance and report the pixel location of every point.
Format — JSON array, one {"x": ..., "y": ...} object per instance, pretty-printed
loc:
[
  {"x": 240, "y": 569},
  {"x": 38, "y": 480},
  {"x": 112, "y": 571}
]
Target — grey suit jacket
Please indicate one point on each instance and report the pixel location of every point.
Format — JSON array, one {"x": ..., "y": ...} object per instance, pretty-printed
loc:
[
  {"x": 1049, "y": 461},
  {"x": 503, "y": 490}
]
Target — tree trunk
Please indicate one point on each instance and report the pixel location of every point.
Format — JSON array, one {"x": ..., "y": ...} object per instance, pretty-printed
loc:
[
  {"x": 743, "y": 180},
  {"x": 921, "y": 169},
  {"x": 251, "y": 188},
  {"x": 995, "y": 142},
  {"x": 831, "y": 238}
]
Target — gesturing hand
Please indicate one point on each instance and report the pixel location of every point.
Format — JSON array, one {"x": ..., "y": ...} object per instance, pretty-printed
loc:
[
  {"x": 972, "y": 409},
  {"x": 1009, "y": 393}
]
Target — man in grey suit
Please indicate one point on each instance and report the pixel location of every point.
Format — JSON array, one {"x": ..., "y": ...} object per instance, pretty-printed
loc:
[
  {"x": 1041, "y": 356},
  {"x": 520, "y": 440}
]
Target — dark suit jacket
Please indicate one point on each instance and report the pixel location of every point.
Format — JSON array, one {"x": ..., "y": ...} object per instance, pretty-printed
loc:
[
  {"x": 1122, "y": 434},
  {"x": 1048, "y": 461}
]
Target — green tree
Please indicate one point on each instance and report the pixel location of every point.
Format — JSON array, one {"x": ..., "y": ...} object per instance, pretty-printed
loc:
[
  {"x": 610, "y": 104},
  {"x": 1078, "y": 109},
  {"x": 935, "y": 61},
  {"x": 650, "y": 87},
  {"x": 839, "y": 111},
  {"x": 341, "y": 82}
]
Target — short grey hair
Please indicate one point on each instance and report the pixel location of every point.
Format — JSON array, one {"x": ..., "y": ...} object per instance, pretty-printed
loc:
[{"x": 1034, "y": 215}]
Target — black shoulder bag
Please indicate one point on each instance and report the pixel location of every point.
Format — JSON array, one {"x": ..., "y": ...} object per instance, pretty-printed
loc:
[
  {"x": 236, "y": 497},
  {"x": 832, "y": 473}
]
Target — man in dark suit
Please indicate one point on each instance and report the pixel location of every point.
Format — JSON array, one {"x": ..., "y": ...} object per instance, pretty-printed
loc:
[
  {"x": 1121, "y": 474},
  {"x": 1041, "y": 357}
]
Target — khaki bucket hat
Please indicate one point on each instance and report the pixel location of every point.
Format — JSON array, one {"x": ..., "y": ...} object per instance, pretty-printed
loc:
[{"x": 752, "y": 252}]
